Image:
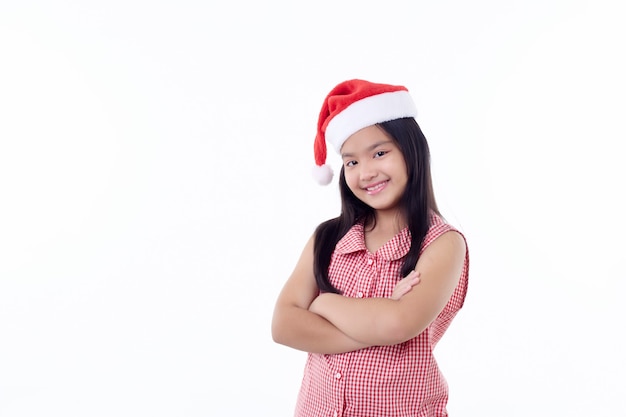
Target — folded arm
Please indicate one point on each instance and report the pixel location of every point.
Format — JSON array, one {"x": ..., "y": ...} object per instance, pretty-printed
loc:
[
  {"x": 295, "y": 326},
  {"x": 383, "y": 321}
]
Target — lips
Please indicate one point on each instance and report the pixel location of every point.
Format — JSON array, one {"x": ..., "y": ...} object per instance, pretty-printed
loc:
[{"x": 375, "y": 188}]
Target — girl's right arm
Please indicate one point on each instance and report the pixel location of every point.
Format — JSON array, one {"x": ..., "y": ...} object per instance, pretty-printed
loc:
[{"x": 295, "y": 326}]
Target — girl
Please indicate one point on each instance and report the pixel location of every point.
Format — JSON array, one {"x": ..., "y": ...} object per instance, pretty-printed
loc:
[{"x": 370, "y": 334}]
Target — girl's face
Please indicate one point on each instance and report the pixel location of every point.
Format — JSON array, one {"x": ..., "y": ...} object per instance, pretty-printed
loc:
[{"x": 374, "y": 168}]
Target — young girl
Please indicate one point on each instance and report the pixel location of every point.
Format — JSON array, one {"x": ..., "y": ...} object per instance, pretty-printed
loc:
[{"x": 375, "y": 288}]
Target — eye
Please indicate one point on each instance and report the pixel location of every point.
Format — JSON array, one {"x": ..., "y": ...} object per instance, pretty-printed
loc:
[
  {"x": 350, "y": 163},
  {"x": 379, "y": 154}
]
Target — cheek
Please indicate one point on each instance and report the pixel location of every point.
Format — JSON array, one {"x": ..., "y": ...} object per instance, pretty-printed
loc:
[
  {"x": 401, "y": 170},
  {"x": 352, "y": 179}
]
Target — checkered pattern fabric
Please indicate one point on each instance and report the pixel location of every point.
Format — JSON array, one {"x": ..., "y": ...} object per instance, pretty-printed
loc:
[{"x": 386, "y": 381}]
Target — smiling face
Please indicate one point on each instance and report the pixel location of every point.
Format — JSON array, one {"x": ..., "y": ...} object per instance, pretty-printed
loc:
[{"x": 374, "y": 168}]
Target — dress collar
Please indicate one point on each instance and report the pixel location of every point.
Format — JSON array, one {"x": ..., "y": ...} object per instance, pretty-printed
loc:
[{"x": 394, "y": 249}]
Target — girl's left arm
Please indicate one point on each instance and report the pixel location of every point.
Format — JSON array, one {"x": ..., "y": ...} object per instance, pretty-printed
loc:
[{"x": 385, "y": 321}]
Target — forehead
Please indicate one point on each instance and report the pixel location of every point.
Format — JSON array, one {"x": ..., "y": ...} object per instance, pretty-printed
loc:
[{"x": 366, "y": 139}]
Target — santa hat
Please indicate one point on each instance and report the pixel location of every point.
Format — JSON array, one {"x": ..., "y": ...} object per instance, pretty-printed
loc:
[{"x": 351, "y": 106}]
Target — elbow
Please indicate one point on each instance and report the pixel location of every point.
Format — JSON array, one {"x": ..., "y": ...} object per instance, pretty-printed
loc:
[
  {"x": 277, "y": 333},
  {"x": 394, "y": 334},
  {"x": 279, "y": 337},
  {"x": 398, "y": 330},
  {"x": 280, "y": 329}
]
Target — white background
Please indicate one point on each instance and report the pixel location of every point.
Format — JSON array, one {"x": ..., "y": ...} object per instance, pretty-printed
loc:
[{"x": 155, "y": 194}]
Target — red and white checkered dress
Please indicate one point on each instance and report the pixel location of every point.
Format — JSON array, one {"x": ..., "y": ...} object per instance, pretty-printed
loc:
[{"x": 386, "y": 381}]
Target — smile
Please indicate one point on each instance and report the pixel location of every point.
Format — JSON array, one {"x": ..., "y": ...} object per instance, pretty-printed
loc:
[{"x": 376, "y": 188}]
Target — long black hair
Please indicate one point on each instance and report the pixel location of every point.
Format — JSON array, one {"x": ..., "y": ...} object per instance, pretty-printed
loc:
[{"x": 417, "y": 202}]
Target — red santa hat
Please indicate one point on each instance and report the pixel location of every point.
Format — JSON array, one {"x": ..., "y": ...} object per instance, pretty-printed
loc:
[{"x": 351, "y": 106}]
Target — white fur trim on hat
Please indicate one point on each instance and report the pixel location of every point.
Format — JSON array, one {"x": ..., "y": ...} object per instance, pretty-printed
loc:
[{"x": 367, "y": 112}]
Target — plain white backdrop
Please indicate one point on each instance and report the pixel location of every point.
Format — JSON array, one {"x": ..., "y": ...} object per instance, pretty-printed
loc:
[{"x": 155, "y": 193}]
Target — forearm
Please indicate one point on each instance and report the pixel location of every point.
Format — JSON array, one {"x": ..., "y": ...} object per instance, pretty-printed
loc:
[
  {"x": 304, "y": 330},
  {"x": 372, "y": 321}
]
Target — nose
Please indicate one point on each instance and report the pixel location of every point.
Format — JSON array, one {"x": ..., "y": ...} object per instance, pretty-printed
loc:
[{"x": 367, "y": 171}]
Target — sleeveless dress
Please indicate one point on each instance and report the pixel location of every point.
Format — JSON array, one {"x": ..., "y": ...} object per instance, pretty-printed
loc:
[{"x": 401, "y": 380}]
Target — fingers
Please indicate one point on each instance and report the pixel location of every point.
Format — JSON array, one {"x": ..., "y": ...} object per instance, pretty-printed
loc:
[
  {"x": 412, "y": 279},
  {"x": 406, "y": 284}
]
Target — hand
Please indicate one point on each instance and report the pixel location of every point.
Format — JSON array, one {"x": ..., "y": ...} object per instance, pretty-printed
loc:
[{"x": 405, "y": 285}]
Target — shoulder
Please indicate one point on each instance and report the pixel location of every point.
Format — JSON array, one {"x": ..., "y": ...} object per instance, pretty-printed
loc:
[
  {"x": 339, "y": 236},
  {"x": 326, "y": 231},
  {"x": 449, "y": 240},
  {"x": 332, "y": 228},
  {"x": 444, "y": 238},
  {"x": 439, "y": 227}
]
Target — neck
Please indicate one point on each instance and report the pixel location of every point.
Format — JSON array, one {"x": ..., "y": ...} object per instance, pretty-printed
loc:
[{"x": 389, "y": 221}]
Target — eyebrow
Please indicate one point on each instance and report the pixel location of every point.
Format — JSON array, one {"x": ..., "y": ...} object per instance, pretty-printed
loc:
[{"x": 369, "y": 148}]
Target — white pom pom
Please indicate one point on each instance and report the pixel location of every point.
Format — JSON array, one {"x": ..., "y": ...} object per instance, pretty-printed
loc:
[{"x": 322, "y": 174}]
